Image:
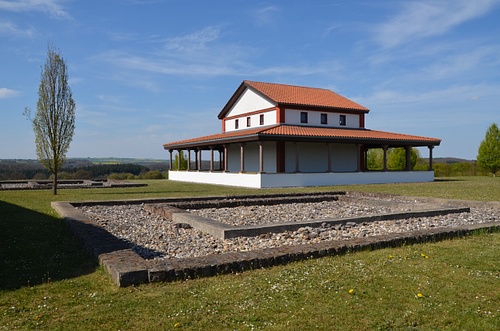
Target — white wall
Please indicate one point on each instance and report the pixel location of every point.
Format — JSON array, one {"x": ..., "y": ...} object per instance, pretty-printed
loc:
[
  {"x": 252, "y": 161},
  {"x": 313, "y": 157},
  {"x": 292, "y": 116},
  {"x": 350, "y": 178},
  {"x": 269, "y": 119},
  {"x": 344, "y": 157},
  {"x": 249, "y": 101},
  {"x": 301, "y": 179}
]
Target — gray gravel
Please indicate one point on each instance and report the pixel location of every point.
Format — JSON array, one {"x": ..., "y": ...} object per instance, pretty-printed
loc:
[{"x": 154, "y": 237}]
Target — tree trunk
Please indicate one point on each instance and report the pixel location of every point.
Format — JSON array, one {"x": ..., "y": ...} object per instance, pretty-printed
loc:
[{"x": 54, "y": 184}]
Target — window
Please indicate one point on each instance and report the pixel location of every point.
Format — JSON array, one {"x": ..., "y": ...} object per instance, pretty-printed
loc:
[
  {"x": 303, "y": 117},
  {"x": 342, "y": 120},
  {"x": 236, "y": 123},
  {"x": 324, "y": 118},
  {"x": 249, "y": 122},
  {"x": 261, "y": 119}
]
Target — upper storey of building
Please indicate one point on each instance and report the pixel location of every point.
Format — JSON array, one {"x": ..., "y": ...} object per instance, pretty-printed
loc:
[{"x": 256, "y": 104}]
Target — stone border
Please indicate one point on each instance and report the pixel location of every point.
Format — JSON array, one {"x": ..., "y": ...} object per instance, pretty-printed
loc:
[
  {"x": 127, "y": 268},
  {"x": 226, "y": 231}
]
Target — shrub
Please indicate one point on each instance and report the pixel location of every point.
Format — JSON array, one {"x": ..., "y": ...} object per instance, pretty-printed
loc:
[
  {"x": 153, "y": 174},
  {"x": 121, "y": 176}
]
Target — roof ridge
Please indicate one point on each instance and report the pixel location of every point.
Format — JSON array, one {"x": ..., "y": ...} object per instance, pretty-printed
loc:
[{"x": 290, "y": 85}]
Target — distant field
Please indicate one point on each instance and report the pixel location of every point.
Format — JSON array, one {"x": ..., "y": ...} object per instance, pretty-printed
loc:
[
  {"x": 48, "y": 282},
  {"x": 114, "y": 160}
]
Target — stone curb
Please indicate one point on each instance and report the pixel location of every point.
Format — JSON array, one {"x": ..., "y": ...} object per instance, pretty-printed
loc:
[
  {"x": 226, "y": 231},
  {"x": 128, "y": 268},
  {"x": 212, "y": 265}
]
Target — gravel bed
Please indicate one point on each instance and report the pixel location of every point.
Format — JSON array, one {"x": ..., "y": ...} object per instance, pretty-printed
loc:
[
  {"x": 296, "y": 212},
  {"x": 153, "y": 237}
]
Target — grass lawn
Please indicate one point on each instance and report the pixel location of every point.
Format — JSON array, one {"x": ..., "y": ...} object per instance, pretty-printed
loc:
[{"x": 48, "y": 282}]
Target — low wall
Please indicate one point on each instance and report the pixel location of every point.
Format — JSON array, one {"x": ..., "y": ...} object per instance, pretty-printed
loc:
[{"x": 268, "y": 180}]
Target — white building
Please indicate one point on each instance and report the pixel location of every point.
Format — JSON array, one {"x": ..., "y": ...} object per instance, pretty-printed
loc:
[{"x": 276, "y": 135}]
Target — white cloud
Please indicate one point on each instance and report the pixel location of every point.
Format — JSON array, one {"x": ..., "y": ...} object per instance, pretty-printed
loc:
[
  {"x": 265, "y": 16},
  {"x": 11, "y": 29},
  {"x": 453, "y": 95},
  {"x": 7, "y": 93},
  {"x": 52, "y": 7},
  {"x": 421, "y": 19},
  {"x": 466, "y": 61},
  {"x": 195, "y": 41}
]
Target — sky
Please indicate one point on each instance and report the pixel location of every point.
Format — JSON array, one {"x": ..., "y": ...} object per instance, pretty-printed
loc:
[{"x": 147, "y": 72}]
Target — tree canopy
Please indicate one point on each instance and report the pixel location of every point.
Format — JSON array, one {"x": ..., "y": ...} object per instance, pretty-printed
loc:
[
  {"x": 396, "y": 158},
  {"x": 54, "y": 122},
  {"x": 488, "y": 155}
]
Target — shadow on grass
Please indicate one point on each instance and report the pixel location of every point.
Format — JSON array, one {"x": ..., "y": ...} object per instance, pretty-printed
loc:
[
  {"x": 36, "y": 248},
  {"x": 448, "y": 179}
]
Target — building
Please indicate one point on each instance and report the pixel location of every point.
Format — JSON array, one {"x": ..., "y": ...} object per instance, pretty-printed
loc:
[{"x": 276, "y": 135}]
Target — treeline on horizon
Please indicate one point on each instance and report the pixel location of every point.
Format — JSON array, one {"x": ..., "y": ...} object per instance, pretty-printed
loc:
[{"x": 33, "y": 170}]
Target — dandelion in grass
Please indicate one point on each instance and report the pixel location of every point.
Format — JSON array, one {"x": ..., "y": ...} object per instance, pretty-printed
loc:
[
  {"x": 177, "y": 325},
  {"x": 391, "y": 257},
  {"x": 419, "y": 295},
  {"x": 351, "y": 291}
]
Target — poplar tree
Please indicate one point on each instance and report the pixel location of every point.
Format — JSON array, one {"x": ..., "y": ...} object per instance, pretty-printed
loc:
[
  {"x": 488, "y": 154},
  {"x": 54, "y": 122}
]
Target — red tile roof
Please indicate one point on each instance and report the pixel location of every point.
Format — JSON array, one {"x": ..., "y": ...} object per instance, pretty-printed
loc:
[
  {"x": 294, "y": 132},
  {"x": 303, "y": 131},
  {"x": 303, "y": 96},
  {"x": 295, "y": 96}
]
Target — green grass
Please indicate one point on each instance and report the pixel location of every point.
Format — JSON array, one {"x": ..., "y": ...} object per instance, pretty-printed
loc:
[{"x": 47, "y": 281}]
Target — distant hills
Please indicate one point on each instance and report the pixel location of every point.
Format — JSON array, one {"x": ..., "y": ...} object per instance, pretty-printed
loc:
[{"x": 450, "y": 160}]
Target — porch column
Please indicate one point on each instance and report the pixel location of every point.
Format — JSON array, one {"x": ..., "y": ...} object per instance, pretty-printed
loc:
[
  {"x": 198, "y": 158},
  {"x": 297, "y": 161},
  {"x": 430, "y": 157},
  {"x": 220, "y": 159},
  {"x": 360, "y": 157},
  {"x": 261, "y": 157},
  {"x": 408, "y": 158},
  {"x": 211, "y": 159},
  {"x": 385, "y": 147},
  {"x": 179, "y": 151},
  {"x": 242, "y": 157},
  {"x": 225, "y": 159},
  {"x": 170, "y": 165},
  {"x": 188, "y": 160},
  {"x": 329, "y": 147}
]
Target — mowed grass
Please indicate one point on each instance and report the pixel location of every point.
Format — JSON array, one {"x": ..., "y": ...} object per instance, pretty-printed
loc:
[{"x": 48, "y": 282}]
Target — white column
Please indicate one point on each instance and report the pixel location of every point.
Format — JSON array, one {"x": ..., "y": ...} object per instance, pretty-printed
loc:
[
  {"x": 211, "y": 159},
  {"x": 261, "y": 157},
  {"x": 242, "y": 157},
  {"x": 385, "y": 147},
  {"x": 297, "y": 161}
]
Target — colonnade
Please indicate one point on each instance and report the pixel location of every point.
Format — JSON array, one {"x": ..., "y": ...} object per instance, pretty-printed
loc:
[{"x": 223, "y": 157}]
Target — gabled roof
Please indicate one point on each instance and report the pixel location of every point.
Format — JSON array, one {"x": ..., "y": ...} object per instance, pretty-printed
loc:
[
  {"x": 306, "y": 133},
  {"x": 294, "y": 96}
]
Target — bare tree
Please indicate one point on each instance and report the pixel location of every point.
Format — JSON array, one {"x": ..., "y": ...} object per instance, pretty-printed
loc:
[{"x": 54, "y": 122}]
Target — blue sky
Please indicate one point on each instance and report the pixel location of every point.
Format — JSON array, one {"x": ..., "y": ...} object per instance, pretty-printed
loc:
[{"x": 147, "y": 72}]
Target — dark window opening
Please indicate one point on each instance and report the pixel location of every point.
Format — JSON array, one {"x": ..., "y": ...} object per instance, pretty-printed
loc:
[
  {"x": 261, "y": 119},
  {"x": 303, "y": 117},
  {"x": 342, "y": 120},
  {"x": 324, "y": 118},
  {"x": 249, "y": 122},
  {"x": 236, "y": 124}
]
